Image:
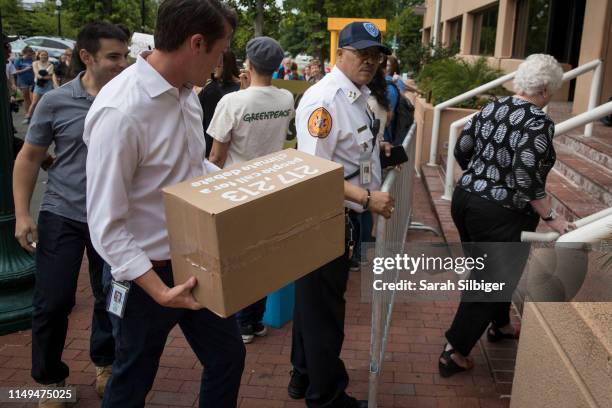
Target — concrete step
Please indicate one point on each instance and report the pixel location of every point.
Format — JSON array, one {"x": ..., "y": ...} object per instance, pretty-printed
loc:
[
  {"x": 569, "y": 199},
  {"x": 592, "y": 178},
  {"x": 595, "y": 149}
]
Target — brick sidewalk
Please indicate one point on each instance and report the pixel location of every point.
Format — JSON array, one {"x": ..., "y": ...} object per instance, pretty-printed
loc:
[{"x": 409, "y": 378}]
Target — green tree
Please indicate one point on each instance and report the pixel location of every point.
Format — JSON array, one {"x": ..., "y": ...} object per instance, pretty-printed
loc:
[
  {"x": 41, "y": 20},
  {"x": 362, "y": 8},
  {"x": 13, "y": 16},
  {"x": 304, "y": 28},
  {"x": 304, "y": 24},
  {"x": 255, "y": 18},
  {"x": 127, "y": 12},
  {"x": 405, "y": 26}
]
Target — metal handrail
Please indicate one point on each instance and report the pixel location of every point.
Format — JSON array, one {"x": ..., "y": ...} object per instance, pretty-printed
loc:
[
  {"x": 593, "y": 219},
  {"x": 584, "y": 118},
  {"x": 595, "y": 65},
  {"x": 558, "y": 272}
]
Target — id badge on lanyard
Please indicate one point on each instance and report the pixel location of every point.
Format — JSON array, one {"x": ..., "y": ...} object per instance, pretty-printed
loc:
[
  {"x": 365, "y": 158},
  {"x": 365, "y": 166},
  {"x": 118, "y": 298}
]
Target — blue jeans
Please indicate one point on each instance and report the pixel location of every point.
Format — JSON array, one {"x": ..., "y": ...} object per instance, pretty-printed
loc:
[
  {"x": 59, "y": 254},
  {"x": 141, "y": 336},
  {"x": 252, "y": 314}
]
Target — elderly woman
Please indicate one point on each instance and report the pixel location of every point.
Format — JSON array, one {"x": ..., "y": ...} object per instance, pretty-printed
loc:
[{"x": 506, "y": 151}]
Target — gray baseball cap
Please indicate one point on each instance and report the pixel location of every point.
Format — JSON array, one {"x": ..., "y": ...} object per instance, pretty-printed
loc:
[{"x": 265, "y": 52}]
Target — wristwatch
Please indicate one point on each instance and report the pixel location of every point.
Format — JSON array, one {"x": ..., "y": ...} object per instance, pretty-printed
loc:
[
  {"x": 367, "y": 203},
  {"x": 552, "y": 214}
]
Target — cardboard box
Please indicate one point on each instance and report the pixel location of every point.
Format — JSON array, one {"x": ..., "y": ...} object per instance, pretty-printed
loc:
[{"x": 250, "y": 229}]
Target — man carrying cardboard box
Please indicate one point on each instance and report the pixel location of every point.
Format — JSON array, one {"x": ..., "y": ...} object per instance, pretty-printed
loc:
[
  {"x": 144, "y": 132},
  {"x": 333, "y": 122},
  {"x": 251, "y": 123}
]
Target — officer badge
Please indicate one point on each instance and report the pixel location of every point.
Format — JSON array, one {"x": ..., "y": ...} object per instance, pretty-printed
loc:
[
  {"x": 320, "y": 123},
  {"x": 371, "y": 29}
]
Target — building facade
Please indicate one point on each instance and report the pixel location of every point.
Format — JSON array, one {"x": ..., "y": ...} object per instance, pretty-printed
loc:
[{"x": 507, "y": 31}]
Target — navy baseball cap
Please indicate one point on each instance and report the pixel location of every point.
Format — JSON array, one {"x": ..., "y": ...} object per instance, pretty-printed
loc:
[{"x": 360, "y": 35}]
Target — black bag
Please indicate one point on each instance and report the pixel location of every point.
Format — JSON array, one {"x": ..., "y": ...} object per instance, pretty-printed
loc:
[
  {"x": 42, "y": 82},
  {"x": 403, "y": 117}
]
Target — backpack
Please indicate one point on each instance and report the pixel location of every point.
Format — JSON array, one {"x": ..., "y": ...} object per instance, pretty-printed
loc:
[{"x": 403, "y": 117}]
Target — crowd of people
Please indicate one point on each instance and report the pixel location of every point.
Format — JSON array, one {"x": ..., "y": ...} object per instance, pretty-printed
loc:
[
  {"x": 123, "y": 132},
  {"x": 35, "y": 75}
]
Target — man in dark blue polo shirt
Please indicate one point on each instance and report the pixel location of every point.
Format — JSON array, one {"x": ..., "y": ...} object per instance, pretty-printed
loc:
[{"x": 62, "y": 234}]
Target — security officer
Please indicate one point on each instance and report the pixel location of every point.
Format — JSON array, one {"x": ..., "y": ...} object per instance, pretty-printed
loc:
[{"x": 333, "y": 122}]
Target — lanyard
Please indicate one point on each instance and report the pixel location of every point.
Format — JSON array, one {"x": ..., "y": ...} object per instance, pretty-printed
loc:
[{"x": 374, "y": 127}]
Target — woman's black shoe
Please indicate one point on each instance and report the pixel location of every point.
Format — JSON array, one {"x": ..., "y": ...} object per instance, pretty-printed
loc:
[
  {"x": 354, "y": 403},
  {"x": 494, "y": 335},
  {"x": 297, "y": 385},
  {"x": 449, "y": 367}
]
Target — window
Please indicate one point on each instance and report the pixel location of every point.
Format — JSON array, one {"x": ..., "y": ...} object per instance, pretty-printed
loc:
[
  {"x": 427, "y": 36},
  {"x": 531, "y": 27},
  {"x": 54, "y": 44},
  {"x": 484, "y": 32},
  {"x": 455, "y": 28},
  {"x": 35, "y": 41}
]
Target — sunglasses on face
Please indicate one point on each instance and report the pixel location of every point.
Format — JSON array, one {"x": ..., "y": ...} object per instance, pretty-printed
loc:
[{"x": 367, "y": 54}]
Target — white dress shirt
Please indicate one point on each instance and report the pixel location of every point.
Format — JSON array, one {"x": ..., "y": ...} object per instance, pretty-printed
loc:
[
  {"x": 143, "y": 134},
  {"x": 347, "y": 137}
]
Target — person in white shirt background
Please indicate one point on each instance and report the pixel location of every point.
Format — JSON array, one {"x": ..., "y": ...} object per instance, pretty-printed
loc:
[
  {"x": 250, "y": 123},
  {"x": 144, "y": 132}
]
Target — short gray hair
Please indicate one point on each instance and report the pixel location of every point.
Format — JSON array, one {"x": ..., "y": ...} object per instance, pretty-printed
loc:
[{"x": 537, "y": 72}]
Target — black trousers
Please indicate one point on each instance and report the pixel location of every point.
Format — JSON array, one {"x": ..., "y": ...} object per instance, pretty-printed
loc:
[
  {"x": 318, "y": 332},
  {"x": 141, "y": 336},
  {"x": 59, "y": 253},
  {"x": 482, "y": 222},
  {"x": 252, "y": 314}
]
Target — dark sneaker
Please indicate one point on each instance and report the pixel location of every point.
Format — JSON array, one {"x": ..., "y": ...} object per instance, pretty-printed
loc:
[
  {"x": 247, "y": 333},
  {"x": 354, "y": 265},
  {"x": 259, "y": 329},
  {"x": 297, "y": 385}
]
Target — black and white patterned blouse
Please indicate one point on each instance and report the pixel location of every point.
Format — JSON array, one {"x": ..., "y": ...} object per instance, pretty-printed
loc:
[{"x": 506, "y": 152}]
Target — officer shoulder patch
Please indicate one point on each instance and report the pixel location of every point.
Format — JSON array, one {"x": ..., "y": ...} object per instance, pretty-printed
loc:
[{"x": 319, "y": 123}]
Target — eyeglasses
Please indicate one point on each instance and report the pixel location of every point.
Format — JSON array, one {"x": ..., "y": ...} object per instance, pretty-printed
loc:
[{"x": 367, "y": 54}]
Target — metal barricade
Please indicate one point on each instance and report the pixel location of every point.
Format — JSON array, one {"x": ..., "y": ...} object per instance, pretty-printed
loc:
[{"x": 400, "y": 184}]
